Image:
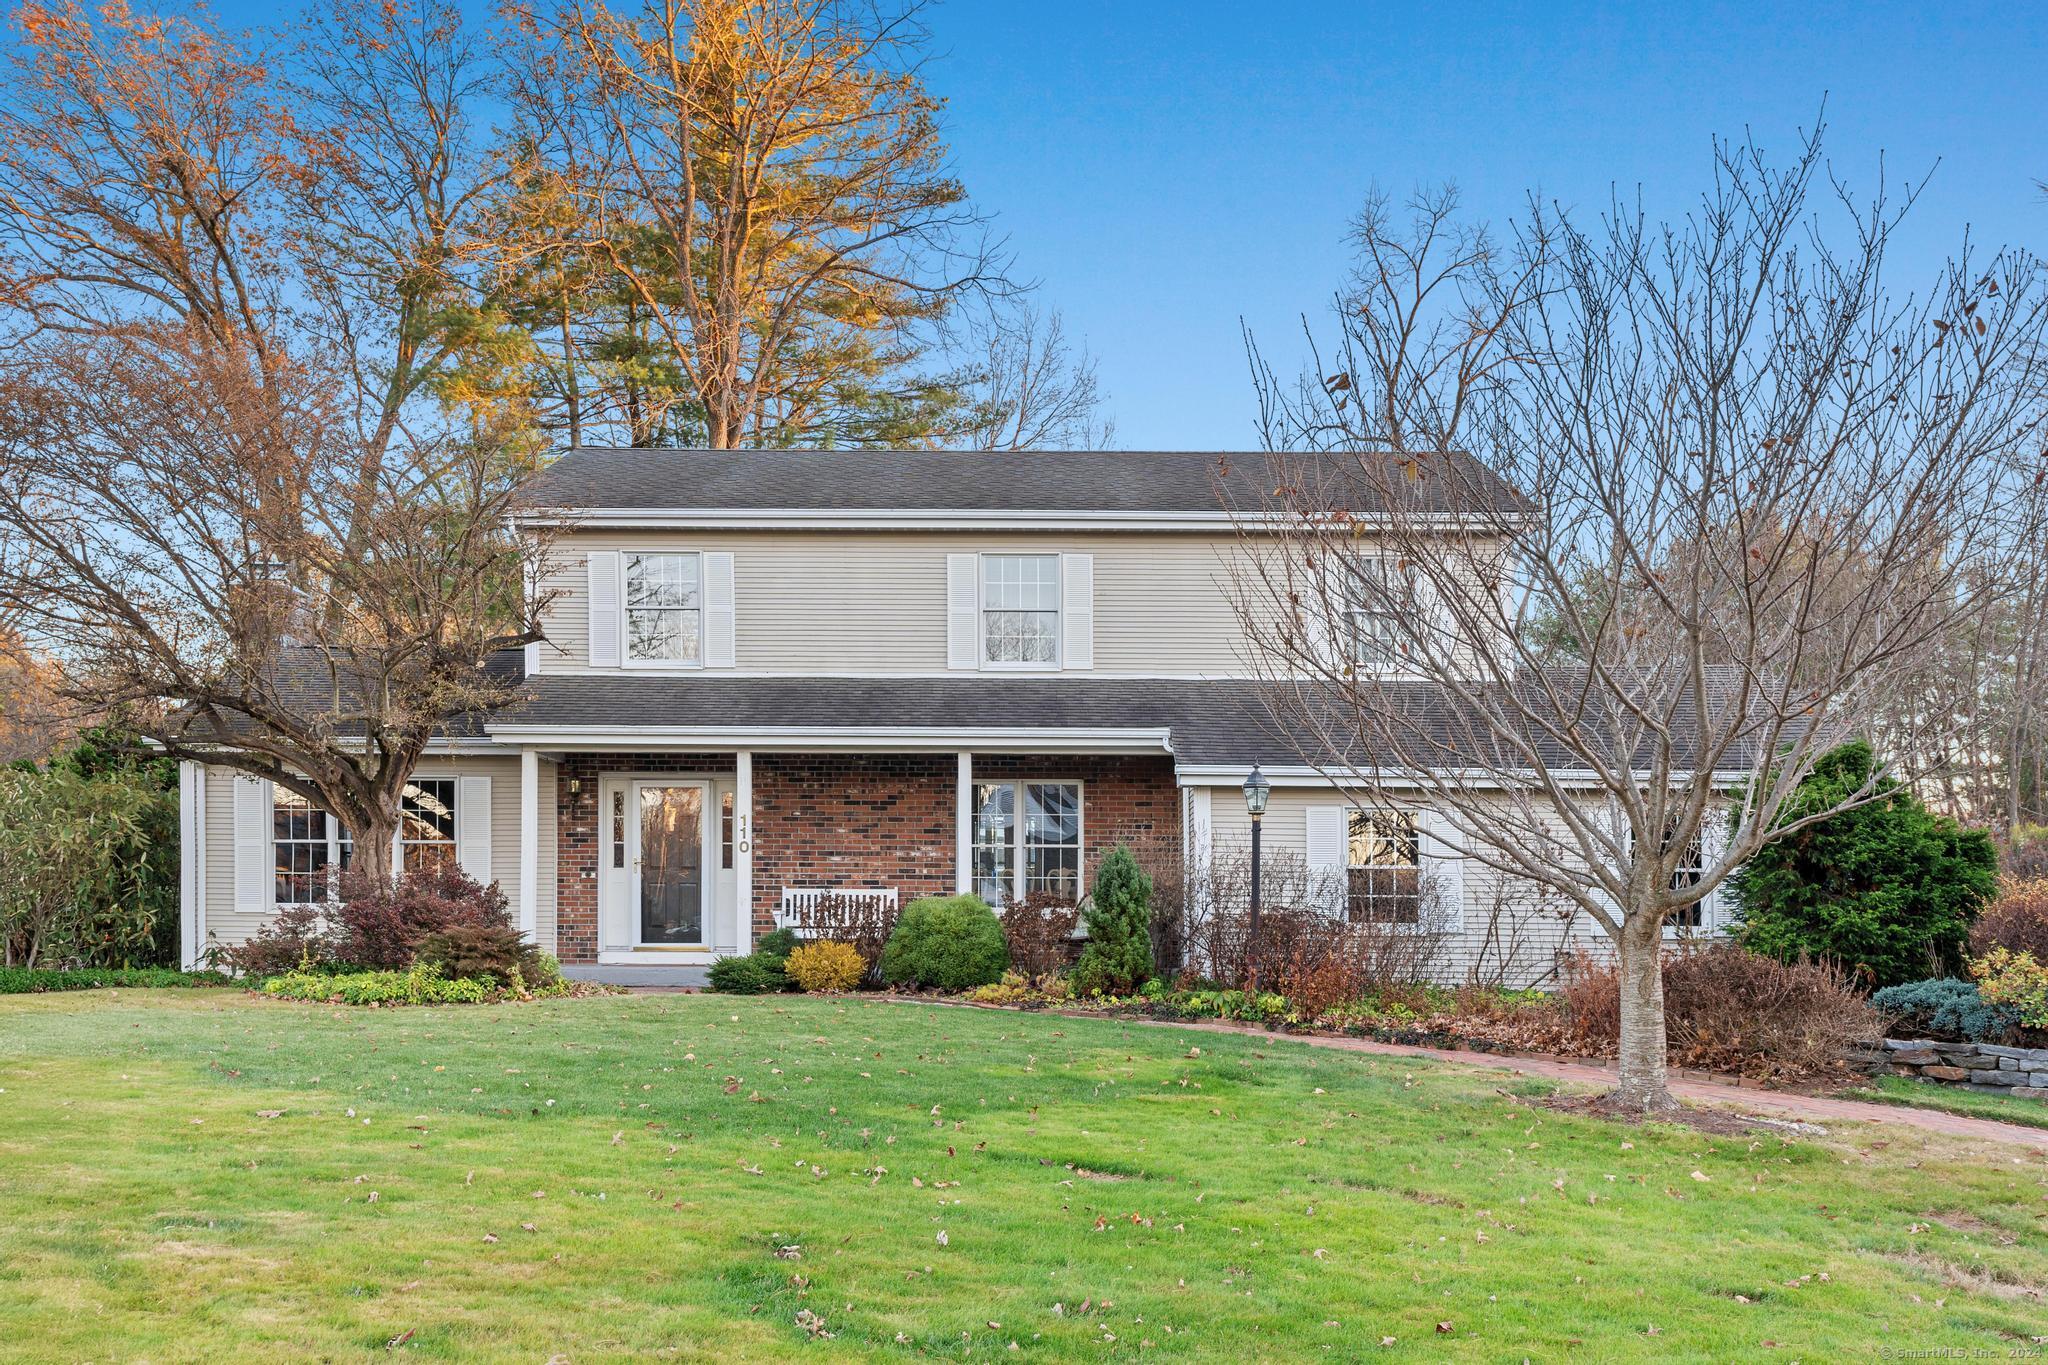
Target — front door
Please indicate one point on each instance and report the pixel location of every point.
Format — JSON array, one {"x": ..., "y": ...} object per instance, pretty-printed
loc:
[{"x": 671, "y": 887}]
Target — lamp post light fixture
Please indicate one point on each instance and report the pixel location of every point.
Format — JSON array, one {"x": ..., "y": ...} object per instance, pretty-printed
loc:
[{"x": 1256, "y": 790}]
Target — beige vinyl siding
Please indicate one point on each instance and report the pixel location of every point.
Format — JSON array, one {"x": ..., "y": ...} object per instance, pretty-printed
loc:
[
  {"x": 1511, "y": 930},
  {"x": 226, "y": 926},
  {"x": 874, "y": 602},
  {"x": 565, "y": 591}
]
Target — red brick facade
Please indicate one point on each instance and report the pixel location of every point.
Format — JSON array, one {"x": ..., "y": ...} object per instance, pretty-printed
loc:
[{"x": 853, "y": 820}]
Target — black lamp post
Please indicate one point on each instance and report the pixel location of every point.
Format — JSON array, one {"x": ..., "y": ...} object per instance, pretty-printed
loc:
[{"x": 1256, "y": 790}]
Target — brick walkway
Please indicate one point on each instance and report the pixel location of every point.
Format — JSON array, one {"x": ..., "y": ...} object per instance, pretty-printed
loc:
[{"x": 1769, "y": 1103}]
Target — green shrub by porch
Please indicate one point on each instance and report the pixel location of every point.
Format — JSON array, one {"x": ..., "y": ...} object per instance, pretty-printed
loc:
[
  {"x": 1118, "y": 958},
  {"x": 777, "y": 946},
  {"x": 754, "y": 974},
  {"x": 948, "y": 943}
]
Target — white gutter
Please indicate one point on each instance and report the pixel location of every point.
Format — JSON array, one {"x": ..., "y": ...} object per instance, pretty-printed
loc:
[
  {"x": 1337, "y": 776},
  {"x": 955, "y": 519},
  {"x": 839, "y": 739}
]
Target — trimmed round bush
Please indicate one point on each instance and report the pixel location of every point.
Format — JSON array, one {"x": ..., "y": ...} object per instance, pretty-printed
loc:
[
  {"x": 826, "y": 966},
  {"x": 948, "y": 943},
  {"x": 750, "y": 975}
]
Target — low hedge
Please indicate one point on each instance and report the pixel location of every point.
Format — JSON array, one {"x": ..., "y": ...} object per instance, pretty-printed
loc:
[
  {"x": 34, "y": 980},
  {"x": 423, "y": 984}
]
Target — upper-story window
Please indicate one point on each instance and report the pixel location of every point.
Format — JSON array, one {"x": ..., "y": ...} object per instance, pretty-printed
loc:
[
  {"x": 1020, "y": 610},
  {"x": 1380, "y": 614},
  {"x": 664, "y": 609}
]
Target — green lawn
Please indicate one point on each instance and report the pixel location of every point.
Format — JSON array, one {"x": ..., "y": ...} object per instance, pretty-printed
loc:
[
  {"x": 202, "y": 1175},
  {"x": 1950, "y": 1099}
]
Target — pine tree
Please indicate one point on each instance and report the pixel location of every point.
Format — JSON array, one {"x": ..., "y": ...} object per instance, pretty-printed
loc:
[
  {"x": 1887, "y": 886},
  {"x": 1118, "y": 957}
]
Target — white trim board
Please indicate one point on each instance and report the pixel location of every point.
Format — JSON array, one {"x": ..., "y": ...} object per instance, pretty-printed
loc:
[
  {"x": 835, "y": 739},
  {"x": 957, "y": 519},
  {"x": 1233, "y": 775}
]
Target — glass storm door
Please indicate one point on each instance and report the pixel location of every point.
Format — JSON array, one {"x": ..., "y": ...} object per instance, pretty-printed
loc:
[{"x": 669, "y": 883}]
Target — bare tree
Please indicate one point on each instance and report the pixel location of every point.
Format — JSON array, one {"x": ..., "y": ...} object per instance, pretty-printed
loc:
[
  {"x": 1029, "y": 387},
  {"x": 244, "y": 506},
  {"x": 1758, "y": 490},
  {"x": 191, "y": 576}
]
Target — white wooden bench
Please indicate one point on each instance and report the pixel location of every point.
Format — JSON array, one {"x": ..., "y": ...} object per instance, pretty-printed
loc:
[{"x": 811, "y": 909}]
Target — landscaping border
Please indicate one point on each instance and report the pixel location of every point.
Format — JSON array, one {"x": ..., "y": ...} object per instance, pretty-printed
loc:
[{"x": 2021, "y": 1072}]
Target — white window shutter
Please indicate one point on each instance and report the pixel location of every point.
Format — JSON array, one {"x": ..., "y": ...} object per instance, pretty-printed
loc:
[
  {"x": 963, "y": 611},
  {"x": 1443, "y": 867},
  {"x": 473, "y": 827},
  {"x": 1321, "y": 638},
  {"x": 718, "y": 610},
  {"x": 1077, "y": 611},
  {"x": 1328, "y": 853},
  {"x": 604, "y": 608},
  {"x": 255, "y": 860}
]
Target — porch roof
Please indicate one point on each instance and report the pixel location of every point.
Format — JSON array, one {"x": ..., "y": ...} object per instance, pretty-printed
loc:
[
  {"x": 1202, "y": 723},
  {"x": 1222, "y": 721}
]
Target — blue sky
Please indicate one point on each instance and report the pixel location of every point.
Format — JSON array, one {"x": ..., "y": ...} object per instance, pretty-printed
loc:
[{"x": 1165, "y": 169}]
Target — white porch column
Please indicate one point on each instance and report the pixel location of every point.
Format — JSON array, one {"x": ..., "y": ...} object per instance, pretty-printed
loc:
[
  {"x": 529, "y": 843},
  {"x": 963, "y": 827},
  {"x": 192, "y": 863},
  {"x": 743, "y": 845}
]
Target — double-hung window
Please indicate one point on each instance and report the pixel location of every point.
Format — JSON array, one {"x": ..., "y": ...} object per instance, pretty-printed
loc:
[
  {"x": 426, "y": 824},
  {"x": 1380, "y": 614},
  {"x": 1686, "y": 873},
  {"x": 1027, "y": 841},
  {"x": 664, "y": 601},
  {"x": 307, "y": 859},
  {"x": 1020, "y": 610},
  {"x": 1383, "y": 868}
]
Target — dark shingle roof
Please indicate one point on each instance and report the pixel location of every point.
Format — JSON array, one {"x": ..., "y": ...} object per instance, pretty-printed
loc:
[
  {"x": 1216, "y": 721},
  {"x": 1212, "y": 722},
  {"x": 311, "y": 682},
  {"x": 1121, "y": 481}
]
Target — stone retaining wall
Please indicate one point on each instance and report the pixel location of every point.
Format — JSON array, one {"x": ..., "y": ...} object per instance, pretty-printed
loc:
[{"x": 2019, "y": 1071}]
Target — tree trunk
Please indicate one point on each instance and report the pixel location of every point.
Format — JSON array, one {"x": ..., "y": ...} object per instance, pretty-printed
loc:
[
  {"x": 371, "y": 853},
  {"x": 1639, "y": 971}
]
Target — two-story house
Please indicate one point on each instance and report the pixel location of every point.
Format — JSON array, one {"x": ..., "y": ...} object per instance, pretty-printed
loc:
[{"x": 773, "y": 674}]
